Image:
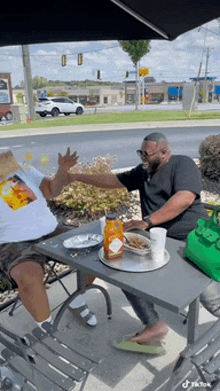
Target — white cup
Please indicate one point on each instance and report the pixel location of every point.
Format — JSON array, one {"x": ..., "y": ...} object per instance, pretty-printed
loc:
[
  {"x": 158, "y": 241},
  {"x": 102, "y": 223}
]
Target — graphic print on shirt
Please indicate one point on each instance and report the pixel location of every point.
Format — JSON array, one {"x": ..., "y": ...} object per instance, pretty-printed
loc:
[{"x": 15, "y": 193}]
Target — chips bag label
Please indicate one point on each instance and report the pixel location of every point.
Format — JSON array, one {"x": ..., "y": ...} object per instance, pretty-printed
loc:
[{"x": 15, "y": 193}]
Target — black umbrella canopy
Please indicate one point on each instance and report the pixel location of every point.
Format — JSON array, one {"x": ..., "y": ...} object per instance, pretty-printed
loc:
[{"x": 44, "y": 21}]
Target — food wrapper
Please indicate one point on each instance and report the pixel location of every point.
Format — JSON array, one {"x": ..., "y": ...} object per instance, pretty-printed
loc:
[{"x": 8, "y": 165}]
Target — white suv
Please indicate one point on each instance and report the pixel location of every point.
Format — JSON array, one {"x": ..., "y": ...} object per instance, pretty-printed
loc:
[{"x": 56, "y": 106}]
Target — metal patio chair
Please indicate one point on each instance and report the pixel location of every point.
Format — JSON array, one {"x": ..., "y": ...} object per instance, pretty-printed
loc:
[
  {"x": 204, "y": 355},
  {"x": 44, "y": 361}
]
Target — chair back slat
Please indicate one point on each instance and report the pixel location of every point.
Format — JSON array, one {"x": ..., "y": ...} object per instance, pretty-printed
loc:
[
  {"x": 46, "y": 361},
  {"x": 212, "y": 348}
]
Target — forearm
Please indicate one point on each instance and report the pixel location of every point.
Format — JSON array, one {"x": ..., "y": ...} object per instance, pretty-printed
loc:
[
  {"x": 52, "y": 187},
  {"x": 58, "y": 182},
  {"x": 105, "y": 181},
  {"x": 176, "y": 205}
]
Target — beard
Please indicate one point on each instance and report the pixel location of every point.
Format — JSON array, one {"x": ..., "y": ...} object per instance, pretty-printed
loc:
[{"x": 151, "y": 167}]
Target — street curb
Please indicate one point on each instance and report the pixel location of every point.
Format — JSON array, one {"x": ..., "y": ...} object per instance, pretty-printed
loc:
[{"x": 105, "y": 127}]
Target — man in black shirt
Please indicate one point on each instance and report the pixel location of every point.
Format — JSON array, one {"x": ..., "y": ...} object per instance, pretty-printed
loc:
[{"x": 169, "y": 187}]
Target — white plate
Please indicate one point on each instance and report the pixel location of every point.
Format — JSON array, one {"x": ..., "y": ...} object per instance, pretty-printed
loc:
[
  {"x": 82, "y": 241},
  {"x": 134, "y": 263},
  {"x": 143, "y": 239}
]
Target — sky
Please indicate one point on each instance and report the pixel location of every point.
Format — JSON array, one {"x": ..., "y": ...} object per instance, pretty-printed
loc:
[{"x": 170, "y": 61}]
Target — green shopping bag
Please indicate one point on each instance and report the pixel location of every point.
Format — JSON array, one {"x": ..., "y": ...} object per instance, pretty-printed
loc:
[{"x": 203, "y": 246}]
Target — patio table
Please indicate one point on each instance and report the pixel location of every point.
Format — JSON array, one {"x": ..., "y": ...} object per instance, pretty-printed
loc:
[{"x": 175, "y": 286}]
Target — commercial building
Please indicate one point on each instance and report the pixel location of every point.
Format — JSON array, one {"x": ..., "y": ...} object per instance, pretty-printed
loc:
[
  {"x": 125, "y": 93},
  {"x": 209, "y": 90}
]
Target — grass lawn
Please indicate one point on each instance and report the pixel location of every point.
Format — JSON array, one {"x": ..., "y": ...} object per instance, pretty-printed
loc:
[{"x": 111, "y": 118}]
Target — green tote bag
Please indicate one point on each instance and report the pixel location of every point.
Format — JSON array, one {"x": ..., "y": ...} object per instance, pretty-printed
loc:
[{"x": 203, "y": 246}]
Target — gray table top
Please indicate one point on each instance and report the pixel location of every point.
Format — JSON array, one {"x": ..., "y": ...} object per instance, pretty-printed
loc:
[{"x": 173, "y": 287}]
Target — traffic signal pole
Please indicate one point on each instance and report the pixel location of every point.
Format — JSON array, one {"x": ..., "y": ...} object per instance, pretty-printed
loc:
[
  {"x": 28, "y": 81},
  {"x": 137, "y": 87}
]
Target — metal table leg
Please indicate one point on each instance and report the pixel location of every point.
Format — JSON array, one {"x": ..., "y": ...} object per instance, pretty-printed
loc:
[
  {"x": 81, "y": 288},
  {"x": 192, "y": 320},
  {"x": 193, "y": 316}
]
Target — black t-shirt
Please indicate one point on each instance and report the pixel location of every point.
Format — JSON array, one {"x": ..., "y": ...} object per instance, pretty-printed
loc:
[{"x": 180, "y": 173}]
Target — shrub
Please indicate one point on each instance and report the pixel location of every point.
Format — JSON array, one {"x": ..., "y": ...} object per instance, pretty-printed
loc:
[
  {"x": 51, "y": 93},
  {"x": 19, "y": 97},
  {"x": 91, "y": 200},
  {"x": 64, "y": 93},
  {"x": 209, "y": 152},
  {"x": 4, "y": 284}
]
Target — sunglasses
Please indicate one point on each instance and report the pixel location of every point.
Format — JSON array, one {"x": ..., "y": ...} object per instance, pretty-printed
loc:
[{"x": 144, "y": 154}]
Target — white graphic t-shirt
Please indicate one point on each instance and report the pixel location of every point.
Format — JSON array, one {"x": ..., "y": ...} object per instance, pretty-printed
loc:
[{"x": 24, "y": 214}]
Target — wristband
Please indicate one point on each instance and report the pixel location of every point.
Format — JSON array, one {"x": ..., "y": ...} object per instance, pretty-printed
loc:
[{"x": 147, "y": 220}]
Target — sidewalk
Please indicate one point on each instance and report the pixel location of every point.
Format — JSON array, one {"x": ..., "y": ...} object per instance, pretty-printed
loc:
[
  {"x": 119, "y": 371},
  {"x": 105, "y": 127}
]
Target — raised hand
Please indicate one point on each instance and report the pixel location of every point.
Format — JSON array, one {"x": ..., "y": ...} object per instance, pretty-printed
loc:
[{"x": 67, "y": 161}]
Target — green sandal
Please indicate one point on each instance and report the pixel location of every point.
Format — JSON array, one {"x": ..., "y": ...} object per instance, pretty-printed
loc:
[
  {"x": 154, "y": 348},
  {"x": 84, "y": 319}
]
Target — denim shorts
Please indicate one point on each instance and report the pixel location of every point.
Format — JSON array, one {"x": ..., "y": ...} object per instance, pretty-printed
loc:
[{"x": 11, "y": 254}]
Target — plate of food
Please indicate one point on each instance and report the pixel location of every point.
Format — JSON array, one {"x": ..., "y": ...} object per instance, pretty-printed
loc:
[
  {"x": 78, "y": 242},
  {"x": 136, "y": 243}
]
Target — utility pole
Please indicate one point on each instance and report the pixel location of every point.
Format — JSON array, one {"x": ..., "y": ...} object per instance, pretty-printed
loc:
[
  {"x": 206, "y": 73},
  {"x": 136, "y": 87},
  {"x": 139, "y": 87},
  {"x": 28, "y": 82},
  {"x": 137, "y": 95}
]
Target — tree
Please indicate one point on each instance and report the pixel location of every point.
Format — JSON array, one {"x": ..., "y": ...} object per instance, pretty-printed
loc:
[
  {"x": 136, "y": 50},
  {"x": 149, "y": 79},
  {"x": 39, "y": 82}
]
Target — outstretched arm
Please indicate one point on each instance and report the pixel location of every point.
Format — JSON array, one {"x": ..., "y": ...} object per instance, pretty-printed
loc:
[
  {"x": 105, "y": 181},
  {"x": 52, "y": 187}
]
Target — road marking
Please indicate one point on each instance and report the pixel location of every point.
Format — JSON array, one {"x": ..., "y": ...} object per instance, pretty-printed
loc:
[{"x": 17, "y": 146}]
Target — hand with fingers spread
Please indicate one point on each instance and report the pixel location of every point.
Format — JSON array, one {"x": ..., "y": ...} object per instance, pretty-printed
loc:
[{"x": 67, "y": 161}]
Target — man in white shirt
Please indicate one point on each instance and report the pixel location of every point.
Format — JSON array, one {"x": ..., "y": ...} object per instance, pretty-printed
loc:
[{"x": 25, "y": 219}]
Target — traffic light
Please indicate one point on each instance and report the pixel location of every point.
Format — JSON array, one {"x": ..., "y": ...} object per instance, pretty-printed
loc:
[
  {"x": 99, "y": 74},
  {"x": 80, "y": 59},
  {"x": 63, "y": 60},
  {"x": 127, "y": 74}
]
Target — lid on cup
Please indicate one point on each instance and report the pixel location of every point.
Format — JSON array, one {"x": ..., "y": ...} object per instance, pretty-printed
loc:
[{"x": 111, "y": 217}]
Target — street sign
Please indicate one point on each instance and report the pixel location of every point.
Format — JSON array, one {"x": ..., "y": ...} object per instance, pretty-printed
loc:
[{"x": 144, "y": 72}]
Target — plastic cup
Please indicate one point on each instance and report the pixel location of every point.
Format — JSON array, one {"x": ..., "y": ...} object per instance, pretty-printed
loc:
[
  {"x": 102, "y": 223},
  {"x": 158, "y": 241}
]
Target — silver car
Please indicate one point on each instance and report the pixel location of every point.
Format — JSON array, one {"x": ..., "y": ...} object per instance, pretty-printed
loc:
[{"x": 56, "y": 106}]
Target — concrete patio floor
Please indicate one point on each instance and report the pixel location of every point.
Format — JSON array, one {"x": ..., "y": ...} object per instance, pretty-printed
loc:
[{"x": 119, "y": 370}]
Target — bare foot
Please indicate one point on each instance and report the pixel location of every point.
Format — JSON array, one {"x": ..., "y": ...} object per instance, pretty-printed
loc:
[{"x": 154, "y": 332}]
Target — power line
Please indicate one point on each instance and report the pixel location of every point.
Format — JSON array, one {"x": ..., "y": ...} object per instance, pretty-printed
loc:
[
  {"x": 59, "y": 54},
  {"x": 211, "y": 31}
]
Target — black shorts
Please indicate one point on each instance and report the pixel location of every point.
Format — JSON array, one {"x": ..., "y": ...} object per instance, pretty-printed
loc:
[{"x": 11, "y": 254}]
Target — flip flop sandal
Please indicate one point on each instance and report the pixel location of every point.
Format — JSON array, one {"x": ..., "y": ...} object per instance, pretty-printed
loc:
[
  {"x": 154, "y": 347},
  {"x": 84, "y": 319}
]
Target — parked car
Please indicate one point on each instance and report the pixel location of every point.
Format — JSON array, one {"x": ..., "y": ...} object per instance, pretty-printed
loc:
[
  {"x": 56, "y": 106},
  {"x": 5, "y": 112},
  {"x": 156, "y": 100}
]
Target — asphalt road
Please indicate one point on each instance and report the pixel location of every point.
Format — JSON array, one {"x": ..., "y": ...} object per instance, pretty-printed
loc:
[
  {"x": 171, "y": 106},
  {"x": 119, "y": 143}
]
